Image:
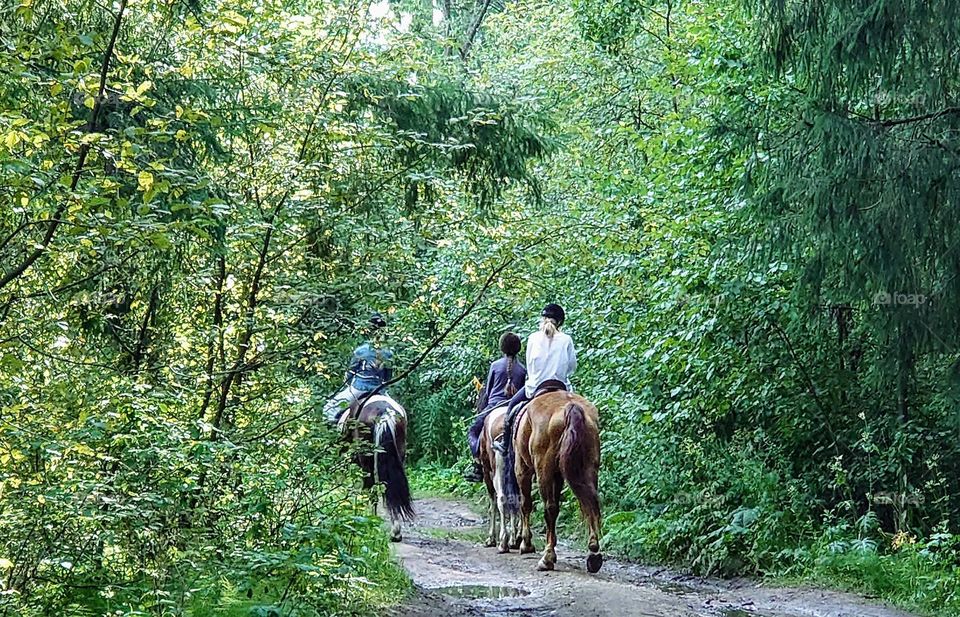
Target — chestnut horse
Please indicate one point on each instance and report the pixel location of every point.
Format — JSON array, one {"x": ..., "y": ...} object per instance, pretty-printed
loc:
[
  {"x": 494, "y": 470},
  {"x": 381, "y": 424},
  {"x": 557, "y": 438}
]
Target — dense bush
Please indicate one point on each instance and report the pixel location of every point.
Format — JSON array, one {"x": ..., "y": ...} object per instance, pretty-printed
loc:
[{"x": 200, "y": 204}]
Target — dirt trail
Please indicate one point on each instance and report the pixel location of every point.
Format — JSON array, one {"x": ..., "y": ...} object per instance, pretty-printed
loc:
[{"x": 456, "y": 576}]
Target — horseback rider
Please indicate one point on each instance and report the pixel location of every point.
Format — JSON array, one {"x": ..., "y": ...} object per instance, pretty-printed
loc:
[
  {"x": 550, "y": 357},
  {"x": 369, "y": 369},
  {"x": 505, "y": 377}
]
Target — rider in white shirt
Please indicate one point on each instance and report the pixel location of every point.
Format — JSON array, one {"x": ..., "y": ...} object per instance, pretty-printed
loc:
[{"x": 550, "y": 357}]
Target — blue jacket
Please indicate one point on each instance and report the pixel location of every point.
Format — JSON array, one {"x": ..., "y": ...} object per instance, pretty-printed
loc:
[{"x": 369, "y": 367}]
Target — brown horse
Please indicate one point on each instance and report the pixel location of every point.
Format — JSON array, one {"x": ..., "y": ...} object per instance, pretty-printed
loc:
[
  {"x": 557, "y": 438},
  {"x": 494, "y": 468},
  {"x": 381, "y": 424}
]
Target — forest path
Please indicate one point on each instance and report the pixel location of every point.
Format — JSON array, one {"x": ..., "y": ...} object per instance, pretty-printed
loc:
[{"x": 456, "y": 576}]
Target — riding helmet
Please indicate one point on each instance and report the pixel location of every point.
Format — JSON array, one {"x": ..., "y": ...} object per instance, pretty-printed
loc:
[
  {"x": 377, "y": 320},
  {"x": 554, "y": 312}
]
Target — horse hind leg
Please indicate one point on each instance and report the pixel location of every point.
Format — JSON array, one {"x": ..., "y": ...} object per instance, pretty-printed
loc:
[
  {"x": 396, "y": 529},
  {"x": 586, "y": 492},
  {"x": 525, "y": 480},
  {"x": 494, "y": 511},
  {"x": 550, "y": 492},
  {"x": 396, "y": 526},
  {"x": 502, "y": 510}
]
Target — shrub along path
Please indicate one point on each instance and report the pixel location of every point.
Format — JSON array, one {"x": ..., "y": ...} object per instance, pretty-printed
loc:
[{"x": 456, "y": 576}]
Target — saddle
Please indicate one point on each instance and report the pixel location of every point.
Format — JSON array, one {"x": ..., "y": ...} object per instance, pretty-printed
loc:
[{"x": 550, "y": 385}]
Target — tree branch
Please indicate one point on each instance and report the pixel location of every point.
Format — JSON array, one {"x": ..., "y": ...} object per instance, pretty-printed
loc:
[
  {"x": 474, "y": 29},
  {"x": 81, "y": 160},
  {"x": 949, "y": 111},
  {"x": 243, "y": 344},
  {"x": 215, "y": 346}
]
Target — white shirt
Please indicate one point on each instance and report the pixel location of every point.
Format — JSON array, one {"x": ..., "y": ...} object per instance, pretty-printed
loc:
[{"x": 549, "y": 359}]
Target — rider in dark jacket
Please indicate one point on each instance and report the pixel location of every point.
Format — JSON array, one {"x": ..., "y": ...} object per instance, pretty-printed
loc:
[
  {"x": 505, "y": 377},
  {"x": 370, "y": 368}
]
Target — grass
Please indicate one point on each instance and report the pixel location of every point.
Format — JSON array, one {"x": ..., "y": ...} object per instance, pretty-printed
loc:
[
  {"x": 911, "y": 578},
  {"x": 431, "y": 480},
  {"x": 363, "y": 597}
]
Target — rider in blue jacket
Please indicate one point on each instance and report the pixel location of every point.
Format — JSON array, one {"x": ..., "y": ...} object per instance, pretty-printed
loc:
[{"x": 370, "y": 366}]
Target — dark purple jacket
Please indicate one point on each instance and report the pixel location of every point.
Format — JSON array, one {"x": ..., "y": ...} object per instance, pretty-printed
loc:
[{"x": 495, "y": 392}]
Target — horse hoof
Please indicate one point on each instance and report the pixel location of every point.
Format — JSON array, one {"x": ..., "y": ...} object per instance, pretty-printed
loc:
[
  {"x": 503, "y": 550},
  {"x": 515, "y": 545},
  {"x": 490, "y": 543},
  {"x": 526, "y": 550},
  {"x": 594, "y": 561},
  {"x": 544, "y": 566},
  {"x": 397, "y": 538}
]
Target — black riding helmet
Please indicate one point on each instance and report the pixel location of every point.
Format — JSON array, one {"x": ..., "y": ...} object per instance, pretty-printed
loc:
[
  {"x": 554, "y": 312},
  {"x": 377, "y": 321}
]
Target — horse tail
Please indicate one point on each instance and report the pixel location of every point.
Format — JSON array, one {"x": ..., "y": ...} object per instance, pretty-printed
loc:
[
  {"x": 388, "y": 464},
  {"x": 579, "y": 472}
]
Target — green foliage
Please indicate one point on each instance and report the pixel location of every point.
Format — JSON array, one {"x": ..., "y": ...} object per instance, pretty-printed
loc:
[
  {"x": 199, "y": 205},
  {"x": 443, "y": 480},
  {"x": 195, "y": 220},
  {"x": 855, "y": 175},
  {"x": 711, "y": 227},
  {"x": 440, "y": 423}
]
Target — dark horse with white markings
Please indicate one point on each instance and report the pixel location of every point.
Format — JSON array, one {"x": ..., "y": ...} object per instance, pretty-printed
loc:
[
  {"x": 557, "y": 439},
  {"x": 494, "y": 471},
  {"x": 382, "y": 423}
]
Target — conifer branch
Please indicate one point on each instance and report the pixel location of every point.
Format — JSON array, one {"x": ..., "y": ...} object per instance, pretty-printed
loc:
[{"x": 949, "y": 111}]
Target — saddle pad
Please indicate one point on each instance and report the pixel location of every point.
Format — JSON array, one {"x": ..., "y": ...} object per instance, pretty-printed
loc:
[
  {"x": 516, "y": 421},
  {"x": 346, "y": 416}
]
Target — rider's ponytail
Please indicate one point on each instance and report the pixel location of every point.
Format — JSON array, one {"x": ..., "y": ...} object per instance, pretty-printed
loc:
[{"x": 548, "y": 326}]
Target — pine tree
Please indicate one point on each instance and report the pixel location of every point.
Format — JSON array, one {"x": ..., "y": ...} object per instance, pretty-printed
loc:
[{"x": 860, "y": 176}]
